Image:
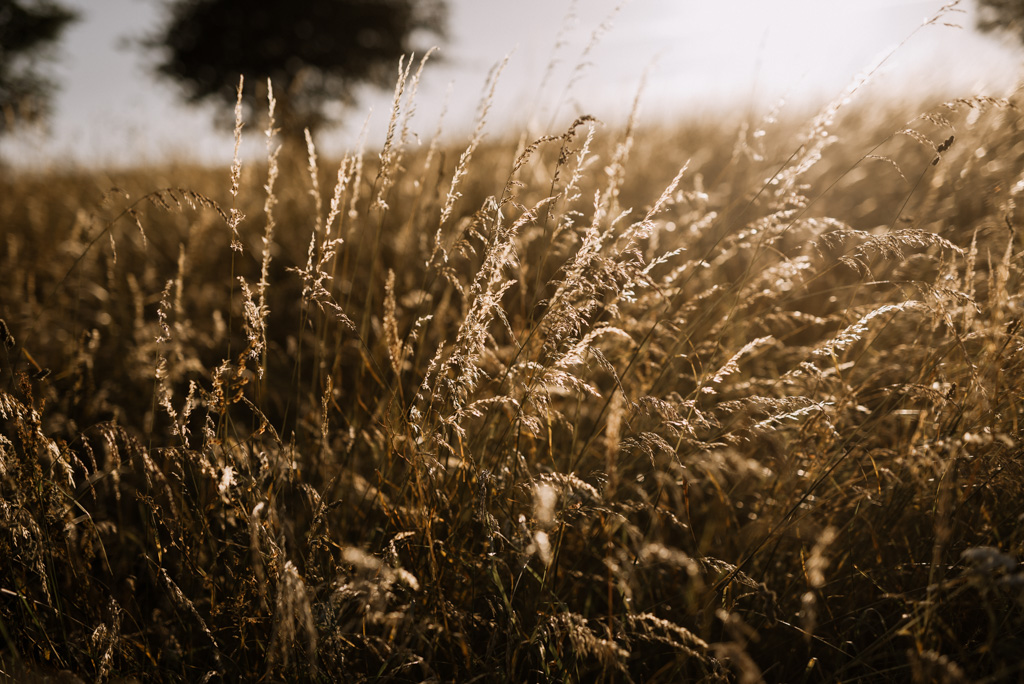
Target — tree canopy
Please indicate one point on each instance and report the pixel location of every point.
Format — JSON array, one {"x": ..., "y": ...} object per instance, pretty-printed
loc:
[
  {"x": 314, "y": 52},
  {"x": 28, "y": 30},
  {"x": 996, "y": 15}
]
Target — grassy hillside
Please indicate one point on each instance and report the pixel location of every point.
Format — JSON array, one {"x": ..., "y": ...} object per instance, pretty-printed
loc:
[{"x": 722, "y": 402}]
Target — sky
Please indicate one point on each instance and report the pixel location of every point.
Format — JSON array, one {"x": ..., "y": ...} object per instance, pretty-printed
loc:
[{"x": 695, "y": 57}]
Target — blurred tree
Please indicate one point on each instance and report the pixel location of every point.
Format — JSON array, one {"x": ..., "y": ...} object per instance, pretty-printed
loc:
[
  {"x": 28, "y": 30},
  {"x": 314, "y": 52},
  {"x": 994, "y": 15}
]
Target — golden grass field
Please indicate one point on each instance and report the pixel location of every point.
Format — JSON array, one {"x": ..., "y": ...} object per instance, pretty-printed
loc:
[{"x": 724, "y": 401}]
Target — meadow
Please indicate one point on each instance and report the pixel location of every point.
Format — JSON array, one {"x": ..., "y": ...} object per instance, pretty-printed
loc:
[{"x": 725, "y": 400}]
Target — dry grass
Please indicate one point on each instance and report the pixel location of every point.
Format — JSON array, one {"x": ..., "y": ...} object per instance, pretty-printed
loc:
[{"x": 524, "y": 411}]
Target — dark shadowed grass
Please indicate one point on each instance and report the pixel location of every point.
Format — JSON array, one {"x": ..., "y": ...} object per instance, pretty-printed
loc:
[{"x": 721, "y": 402}]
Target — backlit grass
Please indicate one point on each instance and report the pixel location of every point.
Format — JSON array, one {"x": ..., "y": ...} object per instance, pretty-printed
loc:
[{"x": 726, "y": 401}]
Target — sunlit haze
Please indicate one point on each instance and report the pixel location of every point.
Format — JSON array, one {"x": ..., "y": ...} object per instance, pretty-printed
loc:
[{"x": 700, "y": 57}]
